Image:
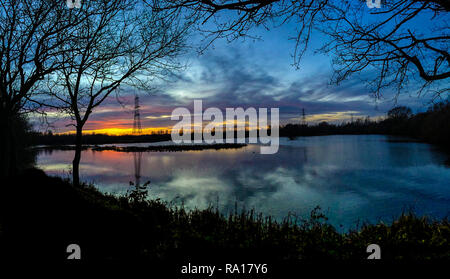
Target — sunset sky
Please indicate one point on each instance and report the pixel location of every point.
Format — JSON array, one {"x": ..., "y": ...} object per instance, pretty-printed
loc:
[{"x": 244, "y": 73}]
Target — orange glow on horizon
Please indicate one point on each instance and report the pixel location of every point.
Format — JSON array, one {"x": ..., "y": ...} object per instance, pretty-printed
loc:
[
  {"x": 119, "y": 131},
  {"x": 114, "y": 131}
]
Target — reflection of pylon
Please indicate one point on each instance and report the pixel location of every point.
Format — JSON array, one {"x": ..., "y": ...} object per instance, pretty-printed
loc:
[
  {"x": 137, "y": 129},
  {"x": 137, "y": 156}
]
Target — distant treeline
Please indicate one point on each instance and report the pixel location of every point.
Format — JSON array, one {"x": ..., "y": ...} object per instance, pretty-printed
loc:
[
  {"x": 160, "y": 148},
  {"x": 92, "y": 139},
  {"x": 432, "y": 126}
]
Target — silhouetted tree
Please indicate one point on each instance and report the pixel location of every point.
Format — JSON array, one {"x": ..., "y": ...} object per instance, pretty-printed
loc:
[
  {"x": 31, "y": 35},
  {"x": 400, "y": 112},
  {"x": 121, "y": 42},
  {"x": 324, "y": 124}
]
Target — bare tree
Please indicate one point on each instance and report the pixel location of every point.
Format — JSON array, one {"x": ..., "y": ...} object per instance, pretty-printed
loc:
[
  {"x": 394, "y": 44},
  {"x": 391, "y": 41},
  {"x": 31, "y": 33},
  {"x": 122, "y": 42}
]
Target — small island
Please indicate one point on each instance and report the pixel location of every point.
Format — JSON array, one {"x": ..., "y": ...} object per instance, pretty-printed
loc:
[{"x": 150, "y": 148}]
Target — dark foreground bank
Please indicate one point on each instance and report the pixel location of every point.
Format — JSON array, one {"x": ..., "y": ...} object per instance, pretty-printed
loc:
[{"x": 43, "y": 215}]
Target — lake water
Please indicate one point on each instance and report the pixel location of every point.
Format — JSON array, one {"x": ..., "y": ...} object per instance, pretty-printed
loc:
[{"x": 352, "y": 178}]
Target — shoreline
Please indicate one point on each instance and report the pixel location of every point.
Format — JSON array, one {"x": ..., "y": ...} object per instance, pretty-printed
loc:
[{"x": 159, "y": 148}]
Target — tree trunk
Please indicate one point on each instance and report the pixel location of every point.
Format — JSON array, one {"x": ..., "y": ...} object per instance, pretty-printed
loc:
[
  {"x": 4, "y": 146},
  {"x": 13, "y": 150},
  {"x": 77, "y": 158}
]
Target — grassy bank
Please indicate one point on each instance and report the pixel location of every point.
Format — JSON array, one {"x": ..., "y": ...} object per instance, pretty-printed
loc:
[{"x": 48, "y": 213}]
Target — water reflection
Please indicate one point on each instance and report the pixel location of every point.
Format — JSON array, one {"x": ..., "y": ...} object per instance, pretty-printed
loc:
[{"x": 351, "y": 177}]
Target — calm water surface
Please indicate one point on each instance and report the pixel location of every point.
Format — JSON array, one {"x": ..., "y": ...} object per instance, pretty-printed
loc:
[{"x": 353, "y": 178}]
